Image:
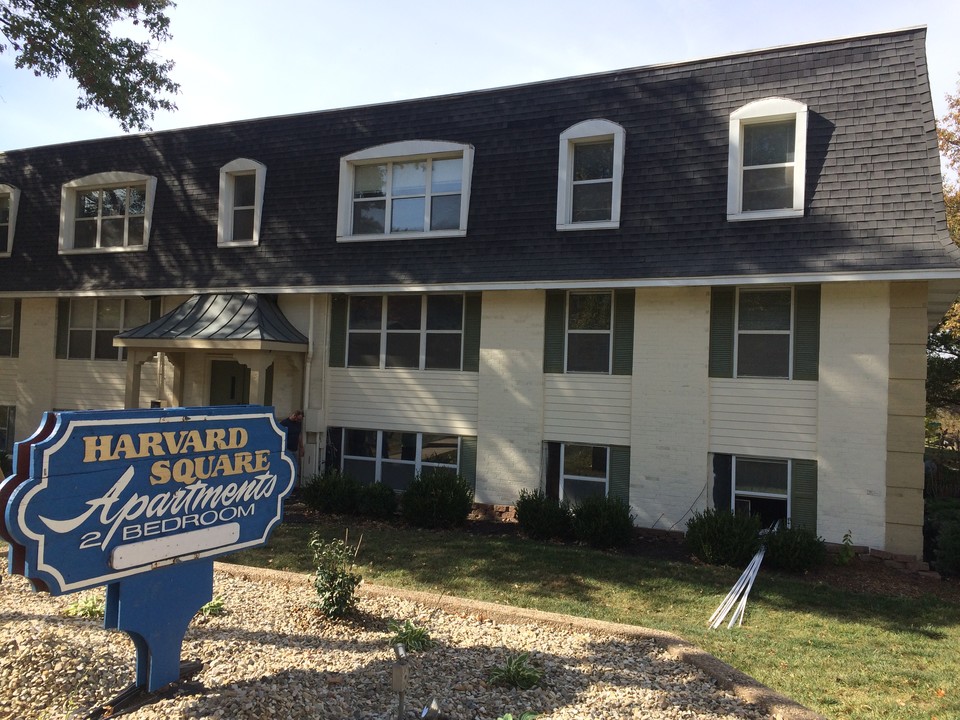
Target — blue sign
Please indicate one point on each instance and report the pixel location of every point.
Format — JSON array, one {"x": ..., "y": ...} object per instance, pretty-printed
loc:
[{"x": 111, "y": 494}]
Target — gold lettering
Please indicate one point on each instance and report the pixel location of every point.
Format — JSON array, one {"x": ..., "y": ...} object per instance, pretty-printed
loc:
[
  {"x": 151, "y": 443},
  {"x": 97, "y": 447},
  {"x": 160, "y": 472}
]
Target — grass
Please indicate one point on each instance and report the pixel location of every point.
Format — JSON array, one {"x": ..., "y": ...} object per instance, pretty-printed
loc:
[{"x": 847, "y": 655}]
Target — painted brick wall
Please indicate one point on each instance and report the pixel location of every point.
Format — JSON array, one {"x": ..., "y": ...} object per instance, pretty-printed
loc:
[{"x": 37, "y": 384}]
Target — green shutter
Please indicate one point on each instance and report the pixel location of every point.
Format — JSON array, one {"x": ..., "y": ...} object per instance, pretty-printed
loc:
[
  {"x": 468, "y": 460},
  {"x": 722, "y": 481},
  {"x": 15, "y": 347},
  {"x": 551, "y": 484},
  {"x": 338, "y": 331},
  {"x": 803, "y": 494},
  {"x": 471, "y": 331},
  {"x": 722, "y": 314},
  {"x": 554, "y": 327},
  {"x": 623, "y": 308},
  {"x": 806, "y": 332},
  {"x": 63, "y": 327},
  {"x": 619, "y": 473}
]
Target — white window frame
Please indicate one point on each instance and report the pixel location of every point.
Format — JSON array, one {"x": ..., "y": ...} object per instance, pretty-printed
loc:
[
  {"x": 228, "y": 175},
  {"x": 124, "y": 325},
  {"x": 419, "y": 464},
  {"x": 768, "y": 496},
  {"x": 68, "y": 208},
  {"x": 9, "y": 415},
  {"x": 588, "y": 131},
  {"x": 567, "y": 332},
  {"x": 422, "y": 333},
  {"x": 791, "y": 332},
  {"x": 564, "y": 475},
  {"x": 402, "y": 151},
  {"x": 762, "y": 111},
  {"x": 13, "y": 195}
]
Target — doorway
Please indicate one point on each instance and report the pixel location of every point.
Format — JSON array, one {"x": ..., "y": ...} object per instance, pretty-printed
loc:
[{"x": 229, "y": 383}]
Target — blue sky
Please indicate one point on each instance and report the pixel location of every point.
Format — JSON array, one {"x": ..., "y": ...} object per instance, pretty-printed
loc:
[{"x": 248, "y": 58}]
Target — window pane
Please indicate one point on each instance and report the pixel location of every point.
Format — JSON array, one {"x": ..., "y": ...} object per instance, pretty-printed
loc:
[
  {"x": 403, "y": 350},
  {"x": 108, "y": 314},
  {"x": 763, "y": 476},
  {"x": 588, "y": 353},
  {"x": 763, "y": 355},
  {"x": 105, "y": 349},
  {"x": 576, "y": 491},
  {"x": 136, "y": 313},
  {"x": 111, "y": 232},
  {"x": 585, "y": 461},
  {"x": 114, "y": 202},
  {"x": 764, "y": 310},
  {"x": 135, "y": 231},
  {"x": 360, "y": 443},
  {"x": 447, "y": 176},
  {"x": 440, "y": 449},
  {"x": 88, "y": 204},
  {"x": 243, "y": 224},
  {"x": 444, "y": 312},
  {"x": 769, "y": 143},
  {"x": 443, "y": 351},
  {"x": 397, "y": 476},
  {"x": 369, "y": 217},
  {"x": 400, "y": 446},
  {"x": 592, "y": 202},
  {"x": 4, "y": 209},
  {"x": 6, "y": 342},
  {"x": 370, "y": 181},
  {"x": 592, "y": 161},
  {"x": 445, "y": 212},
  {"x": 590, "y": 311},
  {"x": 85, "y": 234},
  {"x": 137, "y": 200},
  {"x": 409, "y": 178},
  {"x": 81, "y": 312},
  {"x": 6, "y": 313},
  {"x": 403, "y": 312},
  {"x": 407, "y": 215},
  {"x": 768, "y": 189},
  {"x": 363, "y": 471},
  {"x": 244, "y": 190},
  {"x": 80, "y": 345},
  {"x": 365, "y": 312},
  {"x": 363, "y": 349}
]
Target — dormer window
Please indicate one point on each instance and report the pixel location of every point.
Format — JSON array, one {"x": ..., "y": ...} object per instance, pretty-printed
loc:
[
  {"x": 590, "y": 175},
  {"x": 9, "y": 201},
  {"x": 106, "y": 212},
  {"x": 242, "y": 182},
  {"x": 415, "y": 188},
  {"x": 767, "y": 160}
]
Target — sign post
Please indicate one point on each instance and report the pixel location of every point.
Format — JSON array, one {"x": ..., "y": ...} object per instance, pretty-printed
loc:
[{"x": 142, "y": 501}]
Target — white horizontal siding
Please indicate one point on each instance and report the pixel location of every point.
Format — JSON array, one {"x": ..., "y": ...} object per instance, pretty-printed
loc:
[
  {"x": 763, "y": 417},
  {"x": 426, "y": 401},
  {"x": 100, "y": 384},
  {"x": 587, "y": 408},
  {"x": 8, "y": 381}
]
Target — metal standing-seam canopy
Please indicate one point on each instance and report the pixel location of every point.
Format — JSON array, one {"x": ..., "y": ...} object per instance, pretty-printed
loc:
[{"x": 223, "y": 321}]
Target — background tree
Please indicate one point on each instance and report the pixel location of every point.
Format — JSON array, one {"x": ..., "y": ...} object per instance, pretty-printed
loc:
[{"x": 116, "y": 74}]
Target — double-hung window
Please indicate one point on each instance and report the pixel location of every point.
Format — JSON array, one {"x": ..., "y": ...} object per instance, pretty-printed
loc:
[
  {"x": 767, "y": 160},
  {"x": 9, "y": 201},
  {"x": 86, "y": 326},
  {"x": 242, "y": 183},
  {"x": 405, "y": 189},
  {"x": 589, "y": 331},
  {"x": 106, "y": 212},
  {"x": 9, "y": 327},
  {"x": 761, "y": 486},
  {"x": 764, "y": 332},
  {"x": 405, "y": 331},
  {"x": 576, "y": 471},
  {"x": 590, "y": 175}
]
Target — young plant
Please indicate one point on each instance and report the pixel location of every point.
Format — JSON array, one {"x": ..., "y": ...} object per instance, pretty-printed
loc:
[
  {"x": 90, "y": 607},
  {"x": 526, "y": 716},
  {"x": 412, "y": 637},
  {"x": 335, "y": 581},
  {"x": 846, "y": 553},
  {"x": 213, "y": 608},
  {"x": 516, "y": 672}
]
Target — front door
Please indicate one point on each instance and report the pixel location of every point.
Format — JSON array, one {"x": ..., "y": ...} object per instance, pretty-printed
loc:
[{"x": 229, "y": 383}]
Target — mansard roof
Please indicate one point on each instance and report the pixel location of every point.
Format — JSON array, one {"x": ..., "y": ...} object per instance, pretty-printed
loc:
[{"x": 872, "y": 203}]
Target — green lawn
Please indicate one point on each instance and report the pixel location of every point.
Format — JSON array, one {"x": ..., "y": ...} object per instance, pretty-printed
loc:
[{"x": 844, "y": 654}]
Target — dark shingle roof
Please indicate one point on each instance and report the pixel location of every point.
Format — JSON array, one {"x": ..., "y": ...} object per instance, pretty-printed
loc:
[{"x": 872, "y": 192}]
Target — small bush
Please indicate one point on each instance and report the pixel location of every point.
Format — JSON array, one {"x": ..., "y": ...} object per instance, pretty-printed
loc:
[
  {"x": 335, "y": 581},
  {"x": 603, "y": 522},
  {"x": 377, "y": 501},
  {"x": 516, "y": 672},
  {"x": 794, "y": 549},
  {"x": 332, "y": 492},
  {"x": 719, "y": 537},
  {"x": 90, "y": 607},
  {"x": 437, "y": 498},
  {"x": 542, "y": 518},
  {"x": 412, "y": 637},
  {"x": 947, "y": 553}
]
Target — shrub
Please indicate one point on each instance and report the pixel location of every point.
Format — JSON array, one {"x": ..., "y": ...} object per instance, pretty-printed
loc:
[
  {"x": 603, "y": 522},
  {"x": 332, "y": 492},
  {"x": 542, "y": 518},
  {"x": 437, "y": 498},
  {"x": 90, "y": 607},
  {"x": 794, "y": 549},
  {"x": 516, "y": 672},
  {"x": 947, "y": 553},
  {"x": 335, "y": 581},
  {"x": 377, "y": 501},
  {"x": 719, "y": 537},
  {"x": 412, "y": 637}
]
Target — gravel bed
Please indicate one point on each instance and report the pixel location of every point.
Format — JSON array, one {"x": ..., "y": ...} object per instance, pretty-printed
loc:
[{"x": 272, "y": 656}]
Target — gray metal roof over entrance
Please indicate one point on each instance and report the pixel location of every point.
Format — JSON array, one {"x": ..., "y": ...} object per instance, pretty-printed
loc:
[{"x": 237, "y": 321}]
